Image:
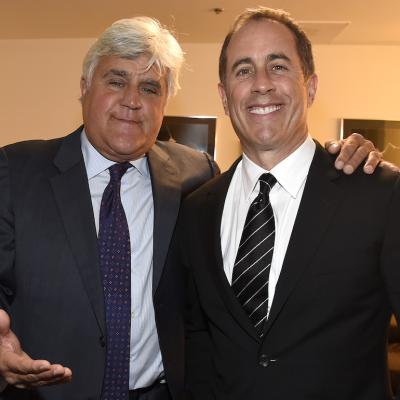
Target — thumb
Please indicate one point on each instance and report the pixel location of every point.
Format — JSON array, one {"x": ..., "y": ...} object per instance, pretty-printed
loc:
[
  {"x": 333, "y": 146},
  {"x": 8, "y": 340},
  {"x": 4, "y": 323}
]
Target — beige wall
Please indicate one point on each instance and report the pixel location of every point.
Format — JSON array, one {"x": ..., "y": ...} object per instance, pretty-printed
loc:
[
  {"x": 361, "y": 82},
  {"x": 40, "y": 89}
]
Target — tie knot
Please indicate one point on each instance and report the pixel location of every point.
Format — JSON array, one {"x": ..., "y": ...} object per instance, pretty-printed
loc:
[
  {"x": 267, "y": 181},
  {"x": 118, "y": 170}
]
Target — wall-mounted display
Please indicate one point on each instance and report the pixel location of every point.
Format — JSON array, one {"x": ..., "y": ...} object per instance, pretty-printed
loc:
[
  {"x": 384, "y": 134},
  {"x": 195, "y": 132}
]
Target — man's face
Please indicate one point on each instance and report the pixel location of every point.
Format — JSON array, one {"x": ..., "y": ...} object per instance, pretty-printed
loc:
[
  {"x": 123, "y": 107},
  {"x": 265, "y": 93}
]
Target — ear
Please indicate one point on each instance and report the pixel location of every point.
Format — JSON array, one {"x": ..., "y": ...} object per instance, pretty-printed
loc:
[
  {"x": 222, "y": 94},
  {"x": 84, "y": 87},
  {"x": 312, "y": 84}
]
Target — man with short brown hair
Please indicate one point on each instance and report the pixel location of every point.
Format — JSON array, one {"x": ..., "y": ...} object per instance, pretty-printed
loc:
[{"x": 293, "y": 267}]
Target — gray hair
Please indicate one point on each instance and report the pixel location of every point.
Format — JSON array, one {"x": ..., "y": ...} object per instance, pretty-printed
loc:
[{"x": 133, "y": 37}]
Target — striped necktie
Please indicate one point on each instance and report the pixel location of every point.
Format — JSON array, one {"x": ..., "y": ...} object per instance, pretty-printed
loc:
[{"x": 250, "y": 274}]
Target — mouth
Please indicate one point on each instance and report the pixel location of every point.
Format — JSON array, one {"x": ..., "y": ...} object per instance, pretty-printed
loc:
[
  {"x": 264, "y": 110},
  {"x": 126, "y": 120}
]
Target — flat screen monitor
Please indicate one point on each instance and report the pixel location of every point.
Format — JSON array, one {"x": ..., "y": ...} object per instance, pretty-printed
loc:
[
  {"x": 195, "y": 132},
  {"x": 385, "y": 135}
]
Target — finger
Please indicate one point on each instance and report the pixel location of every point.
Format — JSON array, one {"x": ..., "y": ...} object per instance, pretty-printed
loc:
[
  {"x": 46, "y": 382},
  {"x": 56, "y": 374},
  {"x": 333, "y": 146},
  {"x": 361, "y": 153},
  {"x": 357, "y": 158},
  {"x": 4, "y": 323},
  {"x": 373, "y": 160},
  {"x": 22, "y": 364},
  {"x": 349, "y": 146},
  {"x": 353, "y": 153},
  {"x": 389, "y": 165},
  {"x": 8, "y": 340},
  {"x": 346, "y": 152}
]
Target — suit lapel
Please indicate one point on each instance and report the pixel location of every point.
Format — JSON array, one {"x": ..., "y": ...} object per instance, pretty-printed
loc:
[
  {"x": 166, "y": 186},
  {"x": 319, "y": 202},
  {"x": 71, "y": 191},
  {"x": 213, "y": 210}
]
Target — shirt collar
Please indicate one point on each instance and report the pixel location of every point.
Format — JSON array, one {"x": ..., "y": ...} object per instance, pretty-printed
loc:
[
  {"x": 96, "y": 163},
  {"x": 290, "y": 173}
]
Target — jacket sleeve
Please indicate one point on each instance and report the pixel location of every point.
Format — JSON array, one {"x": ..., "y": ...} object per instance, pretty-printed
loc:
[
  {"x": 390, "y": 255},
  {"x": 199, "y": 370},
  {"x": 198, "y": 361},
  {"x": 7, "y": 237},
  {"x": 214, "y": 168}
]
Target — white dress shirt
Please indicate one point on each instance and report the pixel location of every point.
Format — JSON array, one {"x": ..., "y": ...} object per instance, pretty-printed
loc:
[
  {"x": 285, "y": 196},
  {"x": 137, "y": 200}
]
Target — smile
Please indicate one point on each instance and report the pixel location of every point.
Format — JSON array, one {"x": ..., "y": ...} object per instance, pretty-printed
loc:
[
  {"x": 264, "y": 110},
  {"x": 128, "y": 121}
]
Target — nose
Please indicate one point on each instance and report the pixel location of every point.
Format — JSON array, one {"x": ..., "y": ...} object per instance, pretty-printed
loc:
[
  {"x": 131, "y": 99},
  {"x": 262, "y": 83}
]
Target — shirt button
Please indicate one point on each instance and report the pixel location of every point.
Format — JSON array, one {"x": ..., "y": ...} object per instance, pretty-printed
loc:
[{"x": 263, "y": 360}]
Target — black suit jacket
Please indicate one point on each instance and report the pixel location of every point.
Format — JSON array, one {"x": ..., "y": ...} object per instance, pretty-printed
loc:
[
  {"x": 325, "y": 338},
  {"x": 49, "y": 273}
]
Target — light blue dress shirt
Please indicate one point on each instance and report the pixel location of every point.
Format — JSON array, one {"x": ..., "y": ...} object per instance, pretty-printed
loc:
[{"x": 137, "y": 200}]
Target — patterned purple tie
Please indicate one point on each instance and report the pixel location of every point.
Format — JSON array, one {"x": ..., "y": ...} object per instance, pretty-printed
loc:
[{"x": 115, "y": 264}]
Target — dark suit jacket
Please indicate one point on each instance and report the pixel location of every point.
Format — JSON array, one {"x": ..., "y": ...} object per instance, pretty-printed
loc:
[
  {"x": 325, "y": 338},
  {"x": 49, "y": 273}
]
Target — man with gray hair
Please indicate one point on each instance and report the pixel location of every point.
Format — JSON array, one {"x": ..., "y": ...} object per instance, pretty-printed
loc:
[{"x": 85, "y": 226}]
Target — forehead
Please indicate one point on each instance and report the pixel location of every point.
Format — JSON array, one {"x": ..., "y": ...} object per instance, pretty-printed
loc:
[
  {"x": 258, "y": 38},
  {"x": 129, "y": 68}
]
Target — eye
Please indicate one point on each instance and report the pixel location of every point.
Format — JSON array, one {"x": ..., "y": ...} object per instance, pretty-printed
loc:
[
  {"x": 243, "y": 72},
  {"x": 116, "y": 83},
  {"x": 279, "y": 67},
  {"x": 151, "y": 89}
]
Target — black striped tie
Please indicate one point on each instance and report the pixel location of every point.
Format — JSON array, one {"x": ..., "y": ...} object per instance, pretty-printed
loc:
[{"x": 253, "y": 260}]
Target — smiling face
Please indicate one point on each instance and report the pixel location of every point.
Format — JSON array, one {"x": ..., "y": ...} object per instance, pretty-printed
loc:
[
  {"x": 265, "y": 93},
  {"x": 123, "y": 107}
]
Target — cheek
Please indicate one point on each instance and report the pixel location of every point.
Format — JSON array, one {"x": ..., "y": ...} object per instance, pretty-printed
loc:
[
  {"x": 99, "y": 110},
  {"x": 105, "y": 104},
  {"x": 237, "y": 97},
  {"x": 155, "y": 111}
]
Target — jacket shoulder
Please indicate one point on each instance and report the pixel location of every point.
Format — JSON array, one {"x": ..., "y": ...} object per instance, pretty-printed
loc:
[
  {"x": 179, "y": 152},
  {"x": 35, "y": 155},
  {"x": 193, "y": 167}
]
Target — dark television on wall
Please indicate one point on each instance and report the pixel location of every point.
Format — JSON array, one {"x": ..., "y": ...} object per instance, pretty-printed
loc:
[
  {"x": 195, "y": 132},
  {"x": 384, "y": 134}
]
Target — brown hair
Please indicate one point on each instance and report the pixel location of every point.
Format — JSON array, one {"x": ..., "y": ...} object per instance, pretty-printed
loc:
[{"x": 303, "y": 44}]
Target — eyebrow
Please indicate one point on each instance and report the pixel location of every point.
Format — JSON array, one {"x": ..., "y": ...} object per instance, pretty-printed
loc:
[
  {"x": 270, "y": 57},
  {"x": 246, "y": 60},
  {"x": 278, "y": 56},
  {"x": 124, "y": 74},
  {"x": 152, "y": 82},
  {"x": 118, "y": 72}
]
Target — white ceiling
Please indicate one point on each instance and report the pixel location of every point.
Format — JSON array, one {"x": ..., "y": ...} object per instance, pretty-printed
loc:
[{"x": 336, "y": 22}]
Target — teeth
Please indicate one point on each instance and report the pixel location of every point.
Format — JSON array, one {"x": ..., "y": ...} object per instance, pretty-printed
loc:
[{"x": 264, "y": 110}]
